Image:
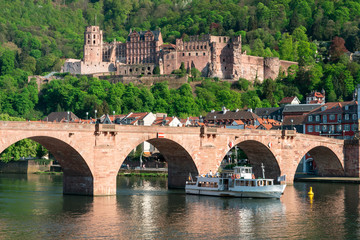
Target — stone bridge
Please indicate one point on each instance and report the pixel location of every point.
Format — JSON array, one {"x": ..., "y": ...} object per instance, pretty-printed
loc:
[{"x": 91, "y": 155}]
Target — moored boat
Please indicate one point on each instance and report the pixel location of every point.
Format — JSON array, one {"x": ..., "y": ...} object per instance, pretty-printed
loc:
[{"x": 237, "y": 182}]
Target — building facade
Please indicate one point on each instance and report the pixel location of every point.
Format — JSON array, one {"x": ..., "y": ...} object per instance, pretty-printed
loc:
[{"x": 213, "y": 56}]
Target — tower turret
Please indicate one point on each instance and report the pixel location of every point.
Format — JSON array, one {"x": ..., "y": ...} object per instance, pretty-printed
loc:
[{"x": 93, "y": 44}]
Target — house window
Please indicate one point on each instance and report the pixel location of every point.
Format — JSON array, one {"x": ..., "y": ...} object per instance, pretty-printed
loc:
[
  {"x": 317, "y": 128},
  {"x": 346, "y": 107},
  {"x": 183, "y": 54},
  {"x": 310, "y": 118},
  {"x": 354, "y": 116},
  {"x": 324, "y": 118},
  {"x": 347, "y": 127},
  {"x": 310, "y": 128},
  {"x": 339, "y": 117},
  {"x": 324, "y": 128},
  {"x": 317, "y": 118},
  {"x": 189, "y": 54},
  {"x": 354, "y": 127},
  {"x": 332, "y": 117},
  {"x": 346, "y": 116},
  {"x": 332, "y": 128},
  {"x": 338, "y": 128}
]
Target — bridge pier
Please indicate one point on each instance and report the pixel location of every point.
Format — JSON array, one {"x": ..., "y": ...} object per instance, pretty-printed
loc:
[{"x": 77, "y": 185}]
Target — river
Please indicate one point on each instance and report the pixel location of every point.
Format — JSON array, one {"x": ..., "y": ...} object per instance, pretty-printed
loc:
[{"x": 33, "y": 207}]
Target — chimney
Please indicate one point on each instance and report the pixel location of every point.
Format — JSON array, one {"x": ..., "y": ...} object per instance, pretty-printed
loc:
[
  {"x": 249, "y": 110},
  {"x": 224, "y": 109}
]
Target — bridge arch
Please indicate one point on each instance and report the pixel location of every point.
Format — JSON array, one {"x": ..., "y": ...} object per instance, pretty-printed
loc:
[
  {"x": 327, "y": 161},
  {"x": 180, "y": 161},
  {"x": 258, "y": 153},
  {"x": 77, "y": 176}
]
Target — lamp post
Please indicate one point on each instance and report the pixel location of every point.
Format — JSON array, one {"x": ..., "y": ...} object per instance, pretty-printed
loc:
[
  {"x": 87, "y": 115},
  {"x": 95, "y": 115},
  {"x": 114, "y": 116},
  {"x": 68, "y": 116}
]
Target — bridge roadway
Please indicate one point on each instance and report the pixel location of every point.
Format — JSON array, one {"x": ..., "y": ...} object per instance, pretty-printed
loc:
[{"x": 91, "y": 155}]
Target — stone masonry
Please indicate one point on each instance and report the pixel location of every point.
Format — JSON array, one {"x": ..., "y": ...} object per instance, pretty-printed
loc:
[
  {"x": 214, "y": 56},
  {"x": 91, "y": 155}
]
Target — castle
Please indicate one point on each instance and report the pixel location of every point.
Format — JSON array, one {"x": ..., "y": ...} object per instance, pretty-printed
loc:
[{"x": 214, "y": 56}]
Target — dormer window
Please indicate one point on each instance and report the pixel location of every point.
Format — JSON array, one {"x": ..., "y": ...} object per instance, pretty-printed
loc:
[
  {"x": 346, "y": 107},
  {"x": 346, "y": 116},
  {"x": 310, "y": 118}
]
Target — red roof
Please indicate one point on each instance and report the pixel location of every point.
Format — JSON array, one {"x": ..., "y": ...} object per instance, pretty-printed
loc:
[{"x": 287, "y": 100}]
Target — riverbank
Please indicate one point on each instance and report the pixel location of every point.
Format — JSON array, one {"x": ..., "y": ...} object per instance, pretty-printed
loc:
[{"x": 307, "y": 178}]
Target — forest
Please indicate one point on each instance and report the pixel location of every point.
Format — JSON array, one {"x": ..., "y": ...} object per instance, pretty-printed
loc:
[{"x": 36, "y": 36}]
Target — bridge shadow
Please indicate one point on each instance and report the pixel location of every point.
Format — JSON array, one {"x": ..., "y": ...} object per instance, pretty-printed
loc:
[
  {"x": 324, "y": 162},
  {"x": 257, "y": 153},
  {"x": 77, "y": 177},
  {"x": 180, "y": 163}
]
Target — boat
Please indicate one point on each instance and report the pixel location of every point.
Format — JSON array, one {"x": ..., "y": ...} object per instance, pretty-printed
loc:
[{"x": 236, "y": 182}]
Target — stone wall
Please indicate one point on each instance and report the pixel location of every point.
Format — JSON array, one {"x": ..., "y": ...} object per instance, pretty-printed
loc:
[
  {"x": 174, "y": 81},
  {"x": 23, "y": 166},
  {"x": 252, "y": 67}
]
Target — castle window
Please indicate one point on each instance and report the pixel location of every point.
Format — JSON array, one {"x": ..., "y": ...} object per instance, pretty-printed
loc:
[
  {"x": 172, "y": 56},
  {"x": 197, "y": 47},
  {"x": 225, "y": 68},
  {"x": 88, "y": 41},
  {"x": 203, "y": 54},
  {"x": 186, "y": 47},
  {"x": 196, "y": 54},
  {"x": 223, "y": 59},
  {"x": 201, "y": 47},
  {"x": 183, "y": 54},
  {"x": 189, "y": 54},
  {"x": 148, "y": 68},
  {"x": 94, "y": 41},
  {"x": 205, "y": 47},
  {"x": 130, "y": 70}
]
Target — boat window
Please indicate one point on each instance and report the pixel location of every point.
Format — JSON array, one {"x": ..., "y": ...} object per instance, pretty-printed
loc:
[{"x": 242, "y": 170}]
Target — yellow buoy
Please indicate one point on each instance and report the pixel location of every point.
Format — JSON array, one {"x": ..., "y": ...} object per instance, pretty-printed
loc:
[{"x": 310, "y": 192}]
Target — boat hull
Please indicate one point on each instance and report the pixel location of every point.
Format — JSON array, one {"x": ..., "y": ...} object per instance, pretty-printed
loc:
[{"x": 274, "y": 191}]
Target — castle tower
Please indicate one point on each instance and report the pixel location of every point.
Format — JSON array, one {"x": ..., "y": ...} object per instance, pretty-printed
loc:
[
  {"x": 93, "y": 44},
  {"x": 237, "y": 52}
]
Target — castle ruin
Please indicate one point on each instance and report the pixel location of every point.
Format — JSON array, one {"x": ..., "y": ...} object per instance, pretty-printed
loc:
[{"x": 214, "y": 56}]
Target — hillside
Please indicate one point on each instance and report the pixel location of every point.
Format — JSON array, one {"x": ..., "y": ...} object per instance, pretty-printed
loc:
[{"x": 37, "y": 35}]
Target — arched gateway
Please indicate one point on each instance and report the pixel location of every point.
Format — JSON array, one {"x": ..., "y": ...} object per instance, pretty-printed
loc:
[{"x": 91, "y": 155}]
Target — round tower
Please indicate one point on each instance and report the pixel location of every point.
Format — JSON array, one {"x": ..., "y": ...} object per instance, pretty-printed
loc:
[{"x": 93, "y": 44}]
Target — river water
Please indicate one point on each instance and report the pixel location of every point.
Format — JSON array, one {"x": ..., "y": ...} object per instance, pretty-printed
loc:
[{"x": 33, "y": 207}]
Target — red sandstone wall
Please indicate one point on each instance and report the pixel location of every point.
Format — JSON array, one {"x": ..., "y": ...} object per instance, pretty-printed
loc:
[{"x": 252, "y": 67}]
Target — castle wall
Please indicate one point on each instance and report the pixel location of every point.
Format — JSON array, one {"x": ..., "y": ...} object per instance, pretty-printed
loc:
[
  {"x": 271, "y": 67},
  {"x": 96, "y": 67},
  {"x": 135, "y": 69},
  {"x": 284, "y": 65},
  {"x": 252, "y": 67},
  {"x": 174, "y": 81}
]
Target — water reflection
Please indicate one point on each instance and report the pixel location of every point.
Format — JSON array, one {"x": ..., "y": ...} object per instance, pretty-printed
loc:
[{"x": 146, "y": 209}]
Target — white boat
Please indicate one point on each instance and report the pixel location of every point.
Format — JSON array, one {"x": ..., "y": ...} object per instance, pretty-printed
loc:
[{"x": 237, "y": 182}]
